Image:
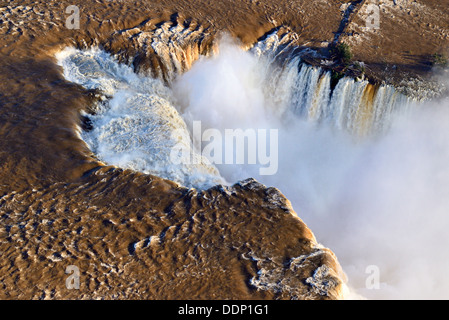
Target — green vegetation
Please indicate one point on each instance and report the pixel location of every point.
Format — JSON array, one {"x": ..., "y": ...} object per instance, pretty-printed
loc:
[
  {"x": 440, "y": 60},
  {"x": 335, "y": 77},
  {"x": 342, "y": 52},
  {"x": 358, "y": 66}
]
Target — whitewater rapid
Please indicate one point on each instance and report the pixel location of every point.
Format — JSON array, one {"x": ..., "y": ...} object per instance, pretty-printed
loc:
[
  {"x": 141, "y": 119},
  {"x": 134, "y": 124},
  {"x": 365, "y": 166}
]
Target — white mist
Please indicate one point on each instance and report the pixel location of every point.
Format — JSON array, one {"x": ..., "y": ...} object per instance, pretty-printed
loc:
[{"x": 380, "y": 202}]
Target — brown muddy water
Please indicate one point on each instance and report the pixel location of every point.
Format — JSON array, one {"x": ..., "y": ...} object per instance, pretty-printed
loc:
[{"x": 85, "y": 184}]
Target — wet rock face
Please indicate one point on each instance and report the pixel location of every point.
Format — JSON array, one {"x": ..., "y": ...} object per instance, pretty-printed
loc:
[{"x": 164, "y": 50}]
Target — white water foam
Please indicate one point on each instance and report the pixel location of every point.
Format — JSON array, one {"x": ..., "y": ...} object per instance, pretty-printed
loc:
[
  {"x": 134, "y": 128},
  {"x": 379, "y": 201}
]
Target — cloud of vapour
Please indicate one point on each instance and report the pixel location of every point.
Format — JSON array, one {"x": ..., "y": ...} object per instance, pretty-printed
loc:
[
  {"x": 392, "y": 209},
  {"x": 224, "y": 91},
  {"x": 383, "y": 201}
]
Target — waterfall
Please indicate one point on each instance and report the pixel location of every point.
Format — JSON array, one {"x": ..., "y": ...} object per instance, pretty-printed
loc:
[
  {"x": 145, "y": 116},
  {"x": 355, "y": 196},
  {"x": 356, "y": 106}
]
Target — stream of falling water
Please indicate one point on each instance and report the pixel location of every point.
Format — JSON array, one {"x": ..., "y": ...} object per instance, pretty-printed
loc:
[{"x": 351, "y": 157}]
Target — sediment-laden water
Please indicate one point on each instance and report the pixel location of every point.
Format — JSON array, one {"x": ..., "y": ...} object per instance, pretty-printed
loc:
[
  {"x": 326, "y": 134},
  {"x": 84, "y": 151}
]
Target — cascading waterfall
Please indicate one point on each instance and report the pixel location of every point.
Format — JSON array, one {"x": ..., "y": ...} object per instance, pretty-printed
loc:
[
  {"x": 126, "y": 131},
  {"x": 356, "y": 106},
  {"x": 138, "y": 126},
  {"x": 329, "y": 178},
  {"x": 165, "y": 50}
]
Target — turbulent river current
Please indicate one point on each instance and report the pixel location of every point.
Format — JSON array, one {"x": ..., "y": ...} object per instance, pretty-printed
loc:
[{"x": 356, "y": 159}]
